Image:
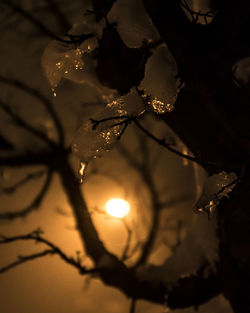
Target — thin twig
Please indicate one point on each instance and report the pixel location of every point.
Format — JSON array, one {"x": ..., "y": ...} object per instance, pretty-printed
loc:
[
  {"x": 23, "y": 124},
  {"x": 132, "y": 306},
  {"x": 75, "y": 40},
  {"x": 36, "y": 237},
  {"x": 163, "y": 143},
  {"x": 128, "y": 242},
  {"x": 23, "y": 259},
  {"x": 29, "y": 177},
  {"x": 39, "y": 96},
  {"x": 33, "y": 205}
]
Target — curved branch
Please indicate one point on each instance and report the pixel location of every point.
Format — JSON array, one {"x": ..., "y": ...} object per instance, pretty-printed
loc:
[
  {"x": 39, "y": 96},
  {"x": 33, "y": 205},
  {"x": 23, "y": 124},
  {"x": 77, "y": 40},
  {"x": 29, "y": 177},
  {"x": 36, "y": 237},
  {"x": 23, "y": 259}
]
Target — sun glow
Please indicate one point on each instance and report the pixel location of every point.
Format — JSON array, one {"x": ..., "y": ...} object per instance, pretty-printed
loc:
[{"x": 117, "y": 207}]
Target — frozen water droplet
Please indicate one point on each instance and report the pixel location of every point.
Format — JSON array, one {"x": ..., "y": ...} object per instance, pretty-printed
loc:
[
  {"x": 82, "y": 171},
  {"x": 53, "y": 91}
]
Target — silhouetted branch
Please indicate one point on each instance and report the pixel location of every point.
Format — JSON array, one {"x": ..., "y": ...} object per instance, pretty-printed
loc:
[
  {"x": 25, "y": 258},
  {"x": 132, "y": 306},
  {"x": 195, "y": 15},
  {"x": 128, "y": 119},
  {"x": 29, "y": 177},
  {"x": 75, "y": 40},
  {"x": 147, "y": 177},
  {"x": 23, "y": 124},
  {"x": 36, "y": 237},
  {"x": 163, "y": 143},
  {"x": 33, "y": 205},
  {"x": 39, "y": 96},
  {"x": 128, "y": 242}
]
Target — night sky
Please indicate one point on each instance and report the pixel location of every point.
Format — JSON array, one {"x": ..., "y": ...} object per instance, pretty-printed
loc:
[{"x": 48, "y": 284}]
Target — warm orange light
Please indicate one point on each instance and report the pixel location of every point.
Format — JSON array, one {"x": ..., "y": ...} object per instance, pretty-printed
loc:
[{"x": 117, "y": 207}]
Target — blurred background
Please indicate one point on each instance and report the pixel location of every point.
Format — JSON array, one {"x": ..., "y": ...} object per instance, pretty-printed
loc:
[{"x": 136, "y": 170}]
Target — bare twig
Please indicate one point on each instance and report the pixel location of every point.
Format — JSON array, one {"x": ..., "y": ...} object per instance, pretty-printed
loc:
[
  {"x": 29, "y": 177},
  {"x": 163, "y": 143},
  {"x": 128, "y": 242},
  {"x": 132, "y": 306},
  {"x": 147, "y": 177},
  {"x": 23, "y": 124},
  {"x": 33, "y": 205},
  {"x": 36, "y": 237},
  {"x": 23, "y": 259},
  {"x": 39, "y": 96},
  {"x": 75, "y": 40}
]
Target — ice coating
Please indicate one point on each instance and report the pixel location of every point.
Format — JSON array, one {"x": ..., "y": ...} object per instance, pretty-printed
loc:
[
  {"x": 71, "y": 61},
  {"x": 90, "y": 142},
  {"x": 216, "y": 187},
  {"x": 133, "y": 23},
  {"x": 160, "y": 82}
]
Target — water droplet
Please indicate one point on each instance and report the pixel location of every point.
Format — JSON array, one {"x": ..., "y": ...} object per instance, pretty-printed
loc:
[
  {"x": 54, "y": 91},
  {"x": 82, "y": 171}
]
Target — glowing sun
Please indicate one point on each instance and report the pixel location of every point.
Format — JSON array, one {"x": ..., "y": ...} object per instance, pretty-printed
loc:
[{"x": 117, "y": 207}]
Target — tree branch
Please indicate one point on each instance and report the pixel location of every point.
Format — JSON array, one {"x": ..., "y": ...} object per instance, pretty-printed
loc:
[
  {"x": 77, "y": 40},
  {"x": 39, "y": 96},
  {"x": 23, "y": 124},
  {"x": 36, "y": 237},
  {"x": 29, "y": 177},
  {"x": 23, "y": 259},
  {"x": 33, "y": 205}
]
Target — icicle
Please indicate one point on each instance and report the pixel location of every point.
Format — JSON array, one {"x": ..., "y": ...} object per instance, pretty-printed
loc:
[
  {"x": 82, "y": 171},
  {"x": 53, "y": 91}
]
